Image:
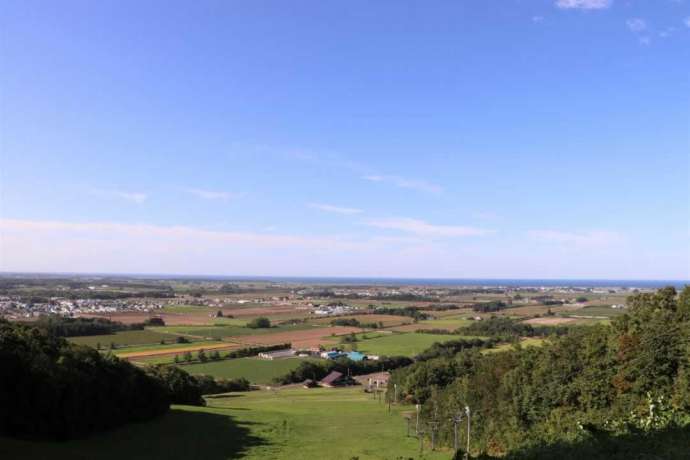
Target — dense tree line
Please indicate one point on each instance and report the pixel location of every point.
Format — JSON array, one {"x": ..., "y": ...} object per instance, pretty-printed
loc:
[
  {"x": 50, "y": 388},
  {"x": 507, "y": 328},
  {"x": 489, "y": 307},
  {"x": 259, "y": 323},
  {"x": 622, "y": 383},
  {"x": 183, "y": 388},
  {"x": 318, "y": 370},
  {"x": 354, "y": 322},
  {"x": 62, "y": 326},
  {"x": 53, "y": 389},
  {"x": 453, "y": 347},
  {"x": 411, "y": 312}
]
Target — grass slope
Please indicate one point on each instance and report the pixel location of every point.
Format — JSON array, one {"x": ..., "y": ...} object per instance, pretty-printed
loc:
[{"x": 337, "y": 424}]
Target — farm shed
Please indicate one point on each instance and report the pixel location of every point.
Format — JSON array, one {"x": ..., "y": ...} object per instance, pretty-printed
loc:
[
  {"x": 331, "y": 380},
  {"x": 277, "y": 354}
]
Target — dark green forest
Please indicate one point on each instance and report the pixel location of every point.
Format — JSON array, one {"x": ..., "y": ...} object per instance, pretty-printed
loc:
[
  {"x": 600, "y": 392},
  {"x": 52, "y": 389}
]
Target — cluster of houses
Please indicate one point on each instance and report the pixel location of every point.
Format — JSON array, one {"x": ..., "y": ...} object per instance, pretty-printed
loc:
[{"x": 332, "y": 310}]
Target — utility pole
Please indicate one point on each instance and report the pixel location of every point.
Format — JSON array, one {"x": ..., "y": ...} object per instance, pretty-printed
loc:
[
  {"x": 456, "y": 421},
  {"x": 416, "y": 428},
  {"x": 467, "y": 412},
  {"x": 434, "y": 427}
]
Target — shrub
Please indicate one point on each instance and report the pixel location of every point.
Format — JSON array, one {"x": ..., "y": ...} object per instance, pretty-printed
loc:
[{"x": 259, "y": 323}]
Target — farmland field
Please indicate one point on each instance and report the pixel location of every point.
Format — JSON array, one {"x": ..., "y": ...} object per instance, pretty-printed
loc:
[
  {"x": 170, "y": 350},
  {"x": 387, "y": 320},
  {"x": 256, "y": 370},
  {"x": 408, "y": 344},
  {"x": 123, "y": 338},
  {"x": 299, "y": 338},
  {"x": 598, "y": 310},
  {"x": 221, "y": 331}
]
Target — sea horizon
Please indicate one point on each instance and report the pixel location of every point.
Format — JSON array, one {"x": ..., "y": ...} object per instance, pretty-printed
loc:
[{"x": 365, "y": 280}]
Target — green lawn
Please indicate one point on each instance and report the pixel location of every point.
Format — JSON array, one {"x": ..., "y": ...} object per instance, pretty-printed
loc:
[
  {"x": 405, "y": 344},
  {"x": 187, "y": 309},
  {"x": 450, "y": 323},
  {"x": 256, "y": 370},
  {"x": 334, "y": 424},
  {"x": 123, "y": 338}
]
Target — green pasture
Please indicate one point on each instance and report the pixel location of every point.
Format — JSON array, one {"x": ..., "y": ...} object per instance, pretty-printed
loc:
[
  {"x": 403, "y": 344},
  {"x": 256, "y": 370},
  {"x": 123, "y": 338}
]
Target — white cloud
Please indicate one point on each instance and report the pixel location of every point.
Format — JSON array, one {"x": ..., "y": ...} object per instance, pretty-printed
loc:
[
  {"x": 335, "y": 209},
  {"x": 579, "y": 239},
  {"x": 583, "y": 4},
  {"x": 687, "y": 21},
  {"x": 108, "y": 247},
  {"x": 211, "y": 194},
  {"x": 422, "y": 228},
  {"x": 135, "y": 197},
  {"x": 403, "y": 182},
  {"x": 537, "y": 18},
  {"x": 636, "y": 25}
]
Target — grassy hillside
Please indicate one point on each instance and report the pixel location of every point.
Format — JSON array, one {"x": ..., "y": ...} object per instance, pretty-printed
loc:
[{"x": 338, "y": 424}]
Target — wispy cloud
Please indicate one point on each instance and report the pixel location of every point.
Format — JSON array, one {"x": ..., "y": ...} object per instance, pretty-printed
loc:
[
  {"x": 580, "y": 239},
  {"x": 422, "y": 228},
  {"x": 402, "y": 182},
  {"x": 636, "y": 25},
  {"x": 212, "y": 194},
  {"x": 135, "y": 197},
  {"x": 335, "y": 209},
  {"x": 583, "y": 4},
  {"x": 686, "y": 21}
]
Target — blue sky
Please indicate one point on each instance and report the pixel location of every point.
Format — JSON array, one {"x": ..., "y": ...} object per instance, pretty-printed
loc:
[{"x": 530, "y": 139}]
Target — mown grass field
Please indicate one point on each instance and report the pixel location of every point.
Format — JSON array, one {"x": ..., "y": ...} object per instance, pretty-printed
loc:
[
  {"x": 449, "y": 322},
  {"x": 123, "y": 338},
  {"x": 404, "y": 344},
  {"x": 256, "y": 370},
  {"x": 334, "y": 424}
]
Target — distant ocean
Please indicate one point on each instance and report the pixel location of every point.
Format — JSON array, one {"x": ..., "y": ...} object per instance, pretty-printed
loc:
[
  {"x": 327, "y": 280},
  {"x": 446, "y": 282}
]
